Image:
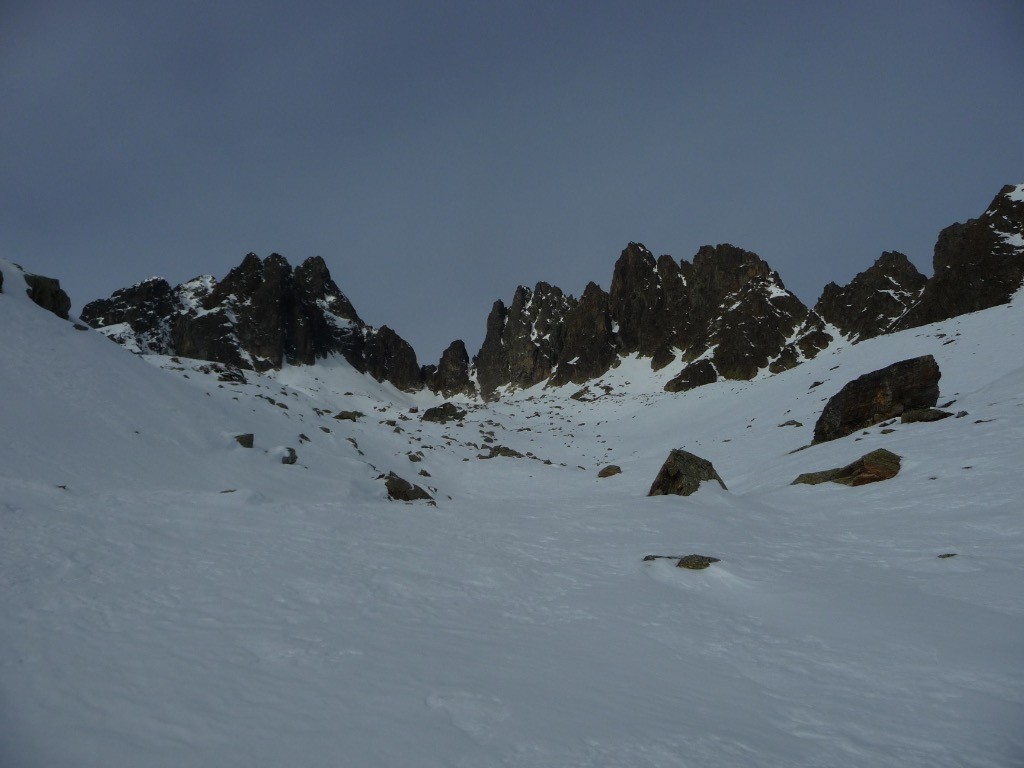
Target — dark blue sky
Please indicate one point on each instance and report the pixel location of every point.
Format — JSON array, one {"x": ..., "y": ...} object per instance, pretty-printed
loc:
[{"x": 439, "y": 154}]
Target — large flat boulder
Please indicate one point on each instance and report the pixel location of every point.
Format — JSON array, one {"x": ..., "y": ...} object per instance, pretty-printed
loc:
[
  {"x": 879, "y": 395},
  {"x": 870, "y": 468}
]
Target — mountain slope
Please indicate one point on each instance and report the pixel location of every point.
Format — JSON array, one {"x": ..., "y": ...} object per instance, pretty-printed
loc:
[{"x": 303, "y": 618}]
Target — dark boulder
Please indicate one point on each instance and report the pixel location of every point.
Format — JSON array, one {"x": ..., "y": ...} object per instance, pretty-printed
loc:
[
  {"x": 682, "y": 473},
  {"x": 878, "y": 396},
  {"x": 500, "y": 450},
  {"x": 691, "y": 562},
  {"x": 870, "y": 468},
  {"x": 290, "y": 456},
  {"x": 400, "y": 489},
  {"x": 246, "y": 440},
  {"x": 924, "y": 414},
  {"x": 442, "y": 414},
  {"x": 47, "y": 293},
  {"x": 349, "y": 415},
  {"x": 610, "y": 470},
  {"x": 694, "y": 375}
]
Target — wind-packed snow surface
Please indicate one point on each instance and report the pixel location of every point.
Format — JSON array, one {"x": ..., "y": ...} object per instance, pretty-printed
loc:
[{"x": 170, "y": 598}]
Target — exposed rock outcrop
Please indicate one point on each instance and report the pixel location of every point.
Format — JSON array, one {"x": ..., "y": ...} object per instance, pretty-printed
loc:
[
  {"x": 590, "y": 345},
  {"x": 682, "y": 473},
  {"x": 879, "y": 395},
  {"x": 47, "y": 293},
  {"x": 694, "y": 375},
  {"x": 523, "y": 341},
  {"x": 728, "y": 305},
  {"x": 610, "y": 471},
  {"x": 442, "y": 414},
  {"x": 690, "y": 562},
  {"x": 924, "y": 414},
  {"x": 389, "y": 357},
  {"x": 400, "y": 489},
  {"x": 875, "y": 299},
  {"x": 870, "y": 468},
  {"x": 450, "y": 376},
  {"x": 262, "y": 315},
  {"x": 647, "y": 299},
  {"x": 978, "y": 264}
]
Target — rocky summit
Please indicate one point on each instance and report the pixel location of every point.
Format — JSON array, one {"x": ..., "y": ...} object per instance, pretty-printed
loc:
[
  {"x": 874, "y": 300},
  {"x": 977, "y": 264},
  {"x": 727, "y": 307},
  {"x": 262, "y": 315}
]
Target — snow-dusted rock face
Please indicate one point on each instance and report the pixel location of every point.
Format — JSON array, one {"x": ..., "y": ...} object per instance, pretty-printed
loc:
[
  {"x": 262, "y": 315},
  {"x": 978, "y": 264},
  {"x": 727, "y": 307},
  {"x": 451, "y": 375},
  {"x": 874, "y": 300},
  {"x": 523, "y": 341}
]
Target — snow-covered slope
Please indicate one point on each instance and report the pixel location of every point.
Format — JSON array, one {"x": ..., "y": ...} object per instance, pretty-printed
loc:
[{"x": 171, "y": 598}]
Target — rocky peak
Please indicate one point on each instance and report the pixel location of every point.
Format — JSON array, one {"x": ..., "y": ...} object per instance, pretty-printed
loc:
[
  {"x": 138, "y": 317},
  {"x": 262, "y": 315},
  {"x": 590, "y": 346},
  {"x": 641, "y": 301},
  {"x": 978, "y": 264},
  {"x": 315, "y": 286},
  {"x": 451, "y": 375},
  {"x": 723, "y": 269},
  {"x": 389, "y": 357},
  {"x": 523, "y": 341},
  {"x": 874, "y": 299}
]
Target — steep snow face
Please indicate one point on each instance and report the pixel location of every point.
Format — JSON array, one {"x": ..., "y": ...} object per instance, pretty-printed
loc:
[{"x": 172, "y": 598}]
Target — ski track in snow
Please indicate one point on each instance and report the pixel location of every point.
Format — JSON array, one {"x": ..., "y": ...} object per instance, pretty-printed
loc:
[{"x": 185, "y": 601}]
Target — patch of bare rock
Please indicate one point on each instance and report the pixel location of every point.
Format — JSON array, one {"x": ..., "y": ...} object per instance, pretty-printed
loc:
[{"x": 691, "y": 562}]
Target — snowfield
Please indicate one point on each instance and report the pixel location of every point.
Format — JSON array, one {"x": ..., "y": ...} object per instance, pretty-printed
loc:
[{"x": 170, "y": 598}]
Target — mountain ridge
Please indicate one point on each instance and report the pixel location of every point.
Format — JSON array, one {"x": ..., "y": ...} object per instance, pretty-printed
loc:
[{"x": 726, "y": 314}]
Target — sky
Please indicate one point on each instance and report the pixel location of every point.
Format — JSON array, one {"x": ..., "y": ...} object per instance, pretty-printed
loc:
[{"x": 437, "y": 155}]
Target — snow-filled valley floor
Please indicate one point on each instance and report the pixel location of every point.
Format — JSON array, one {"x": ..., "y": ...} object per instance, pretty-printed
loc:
[{"x": 170, "y": 598}]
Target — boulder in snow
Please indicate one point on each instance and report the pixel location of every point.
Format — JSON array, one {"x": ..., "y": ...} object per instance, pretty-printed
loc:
[
  {"x": 879, "y": 395},
  {"x": 870, "y": 468},
  {"x": 682, "y": 473}
]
